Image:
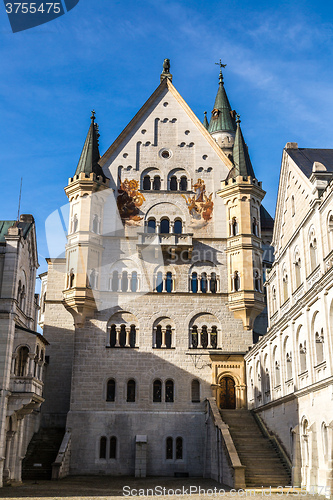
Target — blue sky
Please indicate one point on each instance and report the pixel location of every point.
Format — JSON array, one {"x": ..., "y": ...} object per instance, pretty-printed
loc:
[{"x": 108, "y": 55}]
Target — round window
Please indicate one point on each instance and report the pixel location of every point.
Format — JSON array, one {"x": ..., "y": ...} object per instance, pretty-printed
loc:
[{"x": 165, "y": 153}]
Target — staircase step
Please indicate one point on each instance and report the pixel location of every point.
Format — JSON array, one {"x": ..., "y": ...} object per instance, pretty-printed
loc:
[{"x": 43, "y": 449}]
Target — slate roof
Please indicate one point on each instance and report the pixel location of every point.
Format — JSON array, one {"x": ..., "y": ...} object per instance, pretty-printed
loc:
[
  {"x": 224, "y": 120},
  {"x": 88, "y": 162},
  {"x": 267, "y": 222},
  {"x": 243, "y": 165},
  {"x": 305, "y": 157},
  {"x": 6, "y": 224}
]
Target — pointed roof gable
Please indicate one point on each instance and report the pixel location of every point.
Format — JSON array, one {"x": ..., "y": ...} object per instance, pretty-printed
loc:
[
  {"x": 243, "y": 165},
  {"x": 222, "y": 119},
  {"x": 165, "y": 84},
  {"x": 88, "y": 162}
]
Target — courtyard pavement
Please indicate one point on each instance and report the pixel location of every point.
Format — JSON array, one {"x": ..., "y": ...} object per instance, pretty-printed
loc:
[{"x": 106, "y": 487}]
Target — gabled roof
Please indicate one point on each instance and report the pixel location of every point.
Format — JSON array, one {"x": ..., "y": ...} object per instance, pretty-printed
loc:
[
  {"x": 223, "y": 119},
  {"x": 6, "y": 224},
  {"x": 243, "y": 165},
  {"x": 305, "y": 157},
  {"x": 166, "y": 83},
  {"x": 88, "y": 162}
]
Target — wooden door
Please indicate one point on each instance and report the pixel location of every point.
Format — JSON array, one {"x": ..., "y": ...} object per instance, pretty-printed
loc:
[{"x": 227, "y": 394}]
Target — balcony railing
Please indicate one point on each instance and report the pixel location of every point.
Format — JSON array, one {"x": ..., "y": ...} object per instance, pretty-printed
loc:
[{"x": 166, "y": 240}]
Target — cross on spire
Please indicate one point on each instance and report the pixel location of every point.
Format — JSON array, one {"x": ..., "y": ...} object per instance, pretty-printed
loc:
[{"x": 221, "y": 66}]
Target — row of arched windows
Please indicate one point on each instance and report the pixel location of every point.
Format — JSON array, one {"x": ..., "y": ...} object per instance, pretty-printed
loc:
[
  {"x": 173, "y": 448},
  {"x": 25, "y": 364},
  {"x": 164, "y": 225},
  {"x": 95, "y": 226},
  {"x": 121, "y": 336},
  {"x": 174, "y": 184},
  {"x": 161, "y": 391},
  {"x": 234, "y": 226}
]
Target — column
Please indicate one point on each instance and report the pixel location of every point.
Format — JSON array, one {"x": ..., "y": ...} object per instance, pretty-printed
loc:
[
  {"x": 108, "y": 337},
  {"x": 118, "y": 329},
  {"x": 120, "y": 275},
  {"x": 136, "y": 336},
  {"x": 163, "y": 338},
  {"x": 164, "y": 284},
  {"x": 209, "y": 340},
  {"x": 129, "y": 282},
  {"x": 128, "y": 332},
  {"x": 31, "y": 364},
  {"x": 6, "y": 471},
  {"x": 173, "y": 339},
  {"x": 154, "y": 336},
  {"x": 199, "y": 338},
  {"x": 13, "y": 362}
]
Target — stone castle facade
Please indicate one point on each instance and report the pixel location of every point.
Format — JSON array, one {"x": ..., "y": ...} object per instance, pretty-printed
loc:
[{"x": 154, "y": 306}]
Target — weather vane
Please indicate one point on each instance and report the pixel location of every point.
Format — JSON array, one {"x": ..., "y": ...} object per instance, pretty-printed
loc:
[{"x": 221, "y": 65}]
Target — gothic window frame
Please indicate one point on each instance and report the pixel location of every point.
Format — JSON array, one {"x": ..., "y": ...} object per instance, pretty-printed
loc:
[{"x": 169, "y": 392}]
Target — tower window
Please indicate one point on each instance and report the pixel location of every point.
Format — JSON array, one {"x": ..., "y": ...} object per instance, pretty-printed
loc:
[
  {"x": 195, "y": 389},
  {"x": 157, "y": 391},
  {"x": 113, "y": 447},
  {"x": 165, "y": 226},
  {"x": 146, "y": 183},
  {"x": 157, "y": 183},
  {"x": 169, "y": 389},
  {"x": 151, "y": 226},
  {"x": 102, "y": 447},
  {"x": 234, "y": 227},
  {"x": 131, "y": 391},
  {"x": 111, "y": 390},
  {"x": 179, "y": 448},
  {"x": 169, "y": 448},
  {"x": 236, "y": 282},
  {"x": 177, "y": 227},
  {"x": 173, "y": 183}
]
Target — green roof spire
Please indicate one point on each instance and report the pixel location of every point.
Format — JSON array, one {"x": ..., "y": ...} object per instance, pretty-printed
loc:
[
  {"x": 243, "y": 165},
  {"x": 222, "y": 116},
  {"x": 205, "y": 122},
  {"x": 88, "y": 162}
]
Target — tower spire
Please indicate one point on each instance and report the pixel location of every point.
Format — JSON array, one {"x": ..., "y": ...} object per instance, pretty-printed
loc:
[
  {"x": 243, "y": 165},
  {"x": 205, "y": 122},
  {"x": 88, "y": 162}
]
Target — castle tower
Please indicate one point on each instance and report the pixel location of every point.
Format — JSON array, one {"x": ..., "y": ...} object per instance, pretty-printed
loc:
[
  {"x": 242, "y": 194},
  {"x": 86, "y": 192},
  {"x": 222, "y": 126}
]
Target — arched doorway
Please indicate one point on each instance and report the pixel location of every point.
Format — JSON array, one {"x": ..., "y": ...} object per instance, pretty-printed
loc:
[{"x": 227, "y": 394}]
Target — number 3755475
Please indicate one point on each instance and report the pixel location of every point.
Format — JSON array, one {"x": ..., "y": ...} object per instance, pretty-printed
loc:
[{"x": 33, "y": 8}]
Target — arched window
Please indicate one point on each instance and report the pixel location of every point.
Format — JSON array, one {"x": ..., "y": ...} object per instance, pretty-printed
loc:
[
  {"x": 165, "y": 226},
  {"x": 213, "y": 337},
  {"x": 19, "y": 289},
  {"x": 124, "y": 281},
  {"x": 194, "y": 283},
  {"x": 71, "y": 279},
  {"x": 234, "y": 227},
  {"x": 102, "y": 447},
  {"x": 157, "y": 183},
  {"x": 302, "y": 356},
  {"x": 194, "y": 336},
  {"x": 168, "y": 282},
  {"x": 169, "y": 448},
  {"x": 151, "y": 226},
  {"x": 204, "y": 337},
  {"x": 289, "y": 366},
  {"x": 277, "y": 373},
  {"x": 195, "y": 391},
  {"x": 130, "y": 391},
  {"x": 95, "y": 224},
  {"x": 204, "y": 283},
  {"x": 319, "y": 338},
  {"x": 44, "y": 303},
  {"x": 293, "y": 206},
  {"x": 173, "y": 183},
  {"x": 22, "y": 361},
  {"x": 114, "y": 281},
  {"x": 274, "y": 298},
  {"x": 297, "y": 263},
  {"x": 157, "y": 391},
  {"x": 22, "y": 299},
  {"x": 313, "y": 249},
  {"x": 113, "y": 447},
  {"x": 179, "y": 448},
  {"x": 146, "y": 183},
  {"x": 134, "y": 281},
  {"x": 178, "y": 227},
  {"x": 111, "y": 390},
  {"x": 330, "y": 230},
  {"x": 168, "y": 337},
  {"x": 213, "y": 283},
  {"x": 285, "y": 286},
  {"x": 183, "y": 184},
  {"x": 132, "y": 336},
  {"x": 122, "y": 336},
  {"x": 75, "y": 223},
  {"x": 93, "y": 279},
  {"x": 113, "y": 335},
  {"x": 36, "y": 362},
  {"x": 169, "y": 391},
  {"x": 158, "y": 337},
  {"x": 255, "y": 226},
  {"x": 159, "y": 282},
  {"x": 236, "y": 281},
  {"x": 257, "y": 281}
]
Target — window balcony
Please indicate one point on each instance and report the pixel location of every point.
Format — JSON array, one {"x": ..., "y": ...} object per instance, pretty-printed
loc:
[{"x": 166, "y": 241}]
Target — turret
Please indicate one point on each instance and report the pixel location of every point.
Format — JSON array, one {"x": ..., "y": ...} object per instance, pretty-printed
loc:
[
  {"x": 242, "y": 194},
  {"x": 86, "y": 192},
  {"x": 222, "y": 125}
]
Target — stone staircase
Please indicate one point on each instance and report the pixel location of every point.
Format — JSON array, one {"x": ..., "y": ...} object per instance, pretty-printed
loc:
[
  {"x": 42, "y": 452},
  {"x": 263, "y": 465}
]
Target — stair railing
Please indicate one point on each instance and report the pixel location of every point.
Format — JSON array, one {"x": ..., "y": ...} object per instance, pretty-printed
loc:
[
  {"x": 228, "y": 469},
  {"x": 60, "y": 467}
]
